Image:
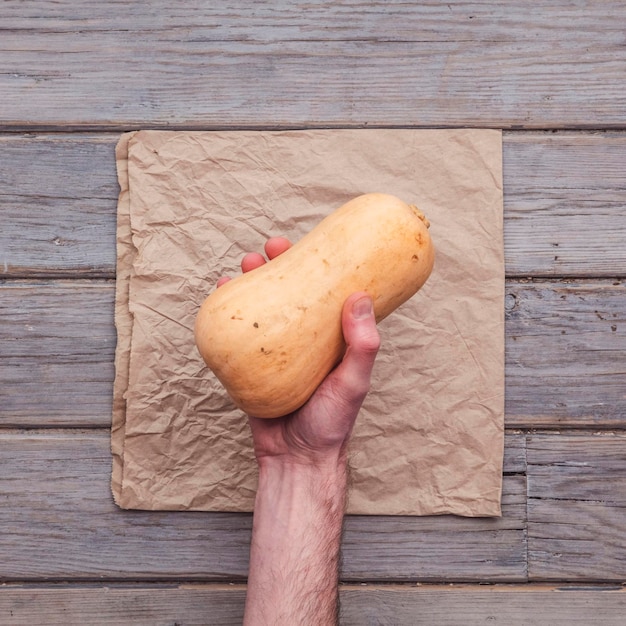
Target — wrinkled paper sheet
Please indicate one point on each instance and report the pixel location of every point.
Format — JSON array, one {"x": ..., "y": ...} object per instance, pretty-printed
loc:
[{"x": 429, "y": 439}]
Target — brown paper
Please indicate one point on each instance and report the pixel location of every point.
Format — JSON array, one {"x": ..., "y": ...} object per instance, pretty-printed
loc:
[{"x": 429, "y": 439}]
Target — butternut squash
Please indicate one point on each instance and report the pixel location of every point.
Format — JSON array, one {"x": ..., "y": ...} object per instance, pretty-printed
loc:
[{"x": 272, "y": 334}]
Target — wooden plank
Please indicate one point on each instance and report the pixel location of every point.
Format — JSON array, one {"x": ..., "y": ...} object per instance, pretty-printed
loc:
[
  {"x": 475, "y": 606},
  {"x": 60, "y": 523},
  {"x": 57, "y": 344},
  {"x": 58, "y": 204},
  {"x": 514, "y": 452},
  {"x": 362, "y": 605},
  {"x": 577, "y": 507},
  {"x": 563, "y": 204},
  {"x": 459, "y": 63},
  {"x": 565, "y": 346},
  {"x": 565, "y": 353}
]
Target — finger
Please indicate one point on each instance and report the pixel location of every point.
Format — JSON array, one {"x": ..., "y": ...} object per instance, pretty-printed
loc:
[
  {"x": 251, "y": 261},
  {"x": 221, "y": 281},
  {"x": 275, "y": 246},
  {"x": 362, "y": 341}
]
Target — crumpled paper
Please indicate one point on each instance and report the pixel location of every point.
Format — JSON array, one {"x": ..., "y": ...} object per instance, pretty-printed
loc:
[{"x": 429, "y": 439}]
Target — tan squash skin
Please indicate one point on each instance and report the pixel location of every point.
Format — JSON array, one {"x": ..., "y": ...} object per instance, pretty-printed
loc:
[{"x": 273, "y": 334}]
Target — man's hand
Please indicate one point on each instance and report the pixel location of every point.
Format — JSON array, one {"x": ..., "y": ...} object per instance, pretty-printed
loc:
[{"x": 319, "y": 431}]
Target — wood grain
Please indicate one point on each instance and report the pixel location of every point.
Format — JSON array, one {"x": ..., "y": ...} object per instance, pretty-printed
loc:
[
  {"x": 61, "y": 524},
  {"x": 363, "y": 605},
  {"x": 563, "y": 204},
  {"x": 459, "y": 63},
  {"x": 57, "y": 344},
  {"x": 461, "y": 605},
  {"x": 565, "y": 346},
  {"x": 58, "y": 202},
  {"x": 577, "y": 507},
  {"x": 565, "y": 353}
]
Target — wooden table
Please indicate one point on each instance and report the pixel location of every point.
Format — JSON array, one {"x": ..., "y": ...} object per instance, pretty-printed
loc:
[{"x": 74, "y": 75}]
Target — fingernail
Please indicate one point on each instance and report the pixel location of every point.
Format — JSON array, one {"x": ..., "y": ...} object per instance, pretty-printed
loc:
[{"x": 362, "y": 308}]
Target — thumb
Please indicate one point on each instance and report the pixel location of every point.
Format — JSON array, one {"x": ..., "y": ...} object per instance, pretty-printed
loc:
[{"x": 362, "y": 341}]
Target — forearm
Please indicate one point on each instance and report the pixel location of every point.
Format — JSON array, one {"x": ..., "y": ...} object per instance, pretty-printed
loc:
[{"x": 296, "y": 536}]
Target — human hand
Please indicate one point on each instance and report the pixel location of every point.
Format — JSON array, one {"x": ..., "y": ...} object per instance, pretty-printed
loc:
[{"x": 318, "y": 432}]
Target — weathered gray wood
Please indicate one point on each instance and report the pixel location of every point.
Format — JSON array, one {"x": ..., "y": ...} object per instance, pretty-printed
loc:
[
  {"x": 57, "y": 343},
  {"x": 58, "y": 203},
  {"x": 58, "y": 521},
  {"x": 475, "y": 606},
  {"x": 566, "y": 353},
  {"x": 459, "y": 63},
  {"x": 577, "y": 507},
  {"x": 563, "y": 199},
  {"x": 565, "y": 350},
  {"x": 564, "y": 204},
  {"x": 514, "y": 452},
  {"x": 157, "y": 605},
  {"x": 362, "y": 605}
]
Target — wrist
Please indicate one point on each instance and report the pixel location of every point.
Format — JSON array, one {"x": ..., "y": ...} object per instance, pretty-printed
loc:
[
  {"x": 328, "y": 464},
  {"x": 293, "y": 483}
]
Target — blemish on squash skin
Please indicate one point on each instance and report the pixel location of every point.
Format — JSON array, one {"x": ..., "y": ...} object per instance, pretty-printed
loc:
[{"x": 256, "y": 324}]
